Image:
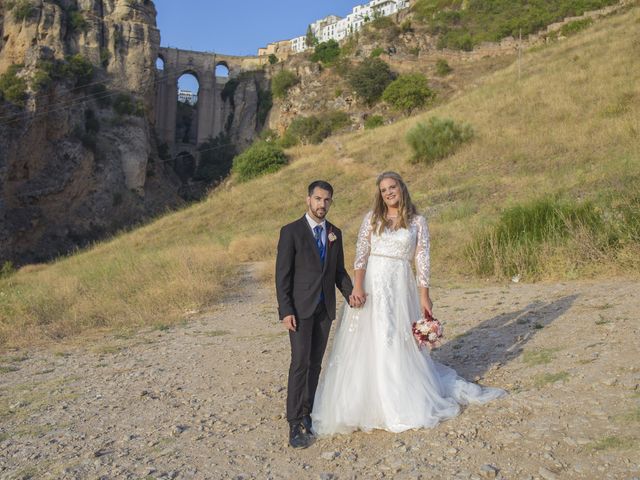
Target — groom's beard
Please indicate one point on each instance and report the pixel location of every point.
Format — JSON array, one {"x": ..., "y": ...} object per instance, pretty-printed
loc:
[{"x": 319, "y": 213}]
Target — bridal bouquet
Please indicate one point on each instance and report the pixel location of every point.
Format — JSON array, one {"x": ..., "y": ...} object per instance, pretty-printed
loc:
[{"x": 427, "y": 331}]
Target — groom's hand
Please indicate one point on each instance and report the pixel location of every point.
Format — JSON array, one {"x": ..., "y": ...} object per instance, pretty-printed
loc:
[
  {"x": 357, "y": 301},
  {"x": 290, "y": 323}
]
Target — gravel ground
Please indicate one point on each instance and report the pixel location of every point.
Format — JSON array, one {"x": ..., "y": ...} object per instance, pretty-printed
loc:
[{"x": 206, "y": 399}]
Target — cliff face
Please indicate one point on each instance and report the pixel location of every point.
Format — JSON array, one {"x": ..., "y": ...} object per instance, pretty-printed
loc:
[{"x": 78, "y": 158}]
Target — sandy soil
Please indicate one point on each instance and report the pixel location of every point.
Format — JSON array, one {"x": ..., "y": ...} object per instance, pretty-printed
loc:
[{"x": 206, "y": 399}]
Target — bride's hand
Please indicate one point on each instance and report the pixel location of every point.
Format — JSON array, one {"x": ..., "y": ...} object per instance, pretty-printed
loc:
[
  {"x": 357, "y": 297},
  {"x": 427, "y": 307}
]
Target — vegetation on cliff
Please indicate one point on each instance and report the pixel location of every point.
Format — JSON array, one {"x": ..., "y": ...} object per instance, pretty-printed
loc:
[{"x": 463, "y": 24}]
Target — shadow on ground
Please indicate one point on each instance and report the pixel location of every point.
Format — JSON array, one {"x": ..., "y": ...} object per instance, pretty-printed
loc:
[{"x": 500, "y": 339}]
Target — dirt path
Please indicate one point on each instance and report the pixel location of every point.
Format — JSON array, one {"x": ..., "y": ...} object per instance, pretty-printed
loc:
[{"x": 206, "y": 399}]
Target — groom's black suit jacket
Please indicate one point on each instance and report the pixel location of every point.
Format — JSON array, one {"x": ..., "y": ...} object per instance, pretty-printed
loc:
[{"x": 300, "y": 274}]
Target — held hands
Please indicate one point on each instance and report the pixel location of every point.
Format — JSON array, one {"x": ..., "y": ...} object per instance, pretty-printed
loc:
[{"x": 357, "y": 298}]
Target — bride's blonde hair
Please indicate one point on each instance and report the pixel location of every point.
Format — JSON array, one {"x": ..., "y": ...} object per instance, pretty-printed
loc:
[{"x": 406, "y": 208}]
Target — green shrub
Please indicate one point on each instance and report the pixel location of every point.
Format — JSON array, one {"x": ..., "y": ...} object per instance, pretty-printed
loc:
[
  {"x": 442, "y": 67},
  {"x": 259, "y": 159},
  {"x": 13, "y": 87},
  {"x": 512, "y": 245},
  {"x": 456, "y": 40},
  {"x": 575, "y": 26},
  {"x": 77, "y": 22},
  {"x": 273, "y": 59},
  {"x": 21, "y": 9},
  {"x": 125, "y": 104},
  {"x": 373, "y": 121},
  {"x": 408, "y": 92},
  {"x": 326, "y": 52},
  {"x": 370, "y": 78},
  {"x": 414, "y": 51},
  {"x": 80, "y": 69},
  {"x": 437, "y": 139},
  {"x": 282, "y": 82},
  {"x": 376, "y": 52},
  {"x": 314, "y": 129}
]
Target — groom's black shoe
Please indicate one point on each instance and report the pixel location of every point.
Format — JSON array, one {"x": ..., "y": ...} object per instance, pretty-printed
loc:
[
  {"x": 307, "y": 425},
  {"x": 297, "y": 437}
]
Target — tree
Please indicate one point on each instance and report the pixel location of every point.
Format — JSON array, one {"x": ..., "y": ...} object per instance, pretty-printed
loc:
[
  {"x": 326, "y": 52},
  {"x": 408, "y": 92},
  {"x": 310, "y": 39},
  {"x": 370, "y": 78},
  {"x": 273, "y": 59}
]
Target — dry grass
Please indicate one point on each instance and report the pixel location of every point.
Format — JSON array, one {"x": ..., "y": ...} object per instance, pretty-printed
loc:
[{"x": 571, "y": 125}]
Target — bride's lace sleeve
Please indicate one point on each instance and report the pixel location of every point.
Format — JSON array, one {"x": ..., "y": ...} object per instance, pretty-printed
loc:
[
  {"x": 363, "y": 244},
  {"x": 423, "y": 263}
]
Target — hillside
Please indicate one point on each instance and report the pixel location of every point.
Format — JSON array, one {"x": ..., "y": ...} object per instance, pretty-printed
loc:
[{"x": 563, "y": 123}]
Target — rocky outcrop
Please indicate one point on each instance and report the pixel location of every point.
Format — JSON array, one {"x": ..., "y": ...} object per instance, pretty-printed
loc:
[{"x": 79, "y": 159}]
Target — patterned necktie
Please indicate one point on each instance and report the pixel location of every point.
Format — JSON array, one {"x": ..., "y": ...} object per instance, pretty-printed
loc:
[{"x": 318, "y": 235}]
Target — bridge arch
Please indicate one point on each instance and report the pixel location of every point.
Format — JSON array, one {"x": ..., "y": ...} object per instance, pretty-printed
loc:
[
  {"x": 222, "y": 70},
  {"x": 211, "y": 116}
]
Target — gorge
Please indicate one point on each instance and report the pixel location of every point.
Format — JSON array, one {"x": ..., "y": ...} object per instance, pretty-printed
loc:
[{"x": 88, "y": 141}]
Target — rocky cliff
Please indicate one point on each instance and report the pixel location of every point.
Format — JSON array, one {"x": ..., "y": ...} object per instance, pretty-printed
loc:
[{"x": 78, "y": 159}]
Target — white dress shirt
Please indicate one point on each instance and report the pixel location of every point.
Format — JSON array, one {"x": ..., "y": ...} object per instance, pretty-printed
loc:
[{"x": 312, "y": 224}]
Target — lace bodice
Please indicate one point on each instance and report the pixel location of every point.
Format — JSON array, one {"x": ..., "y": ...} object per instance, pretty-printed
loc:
[{"x": 404, "y": 243}]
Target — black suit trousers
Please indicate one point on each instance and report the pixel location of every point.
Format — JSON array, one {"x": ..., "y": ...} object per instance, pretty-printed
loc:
[{"x": 308, "y": 344}]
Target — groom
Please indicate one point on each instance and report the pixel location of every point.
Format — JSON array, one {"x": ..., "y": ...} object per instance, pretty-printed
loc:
[{"x": 310, "y": 264}]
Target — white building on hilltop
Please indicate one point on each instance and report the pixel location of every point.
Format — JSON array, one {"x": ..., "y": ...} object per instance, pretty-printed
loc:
[
  {"x": 187, "y": 96},
  {"x": 336, "y": 28}
]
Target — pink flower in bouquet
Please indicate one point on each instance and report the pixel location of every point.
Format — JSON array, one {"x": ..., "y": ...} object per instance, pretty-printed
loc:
[{"x": 427, "y": 331}]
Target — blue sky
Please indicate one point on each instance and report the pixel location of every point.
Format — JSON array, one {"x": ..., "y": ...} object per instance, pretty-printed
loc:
[{"x": 239, "y": 27}]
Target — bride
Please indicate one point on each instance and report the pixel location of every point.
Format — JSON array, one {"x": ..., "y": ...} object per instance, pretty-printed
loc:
[{"x": 377, "y": 377}]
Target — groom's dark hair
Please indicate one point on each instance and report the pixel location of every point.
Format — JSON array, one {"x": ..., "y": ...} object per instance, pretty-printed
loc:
[{"x": 320, "y": 184}]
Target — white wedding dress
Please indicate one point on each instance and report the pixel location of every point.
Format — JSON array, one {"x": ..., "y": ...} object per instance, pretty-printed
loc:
[{"x": 376, "y": 376}]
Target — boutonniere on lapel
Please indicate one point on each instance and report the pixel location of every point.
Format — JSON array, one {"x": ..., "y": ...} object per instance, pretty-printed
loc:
[{"x": 331, "y": 237}]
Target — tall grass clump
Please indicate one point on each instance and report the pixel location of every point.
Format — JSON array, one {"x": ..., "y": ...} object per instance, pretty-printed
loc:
[
  {"x": 437, "y": 139},
  {"x": 514, "y": 244},
  {"x": 259, "y": 159}
]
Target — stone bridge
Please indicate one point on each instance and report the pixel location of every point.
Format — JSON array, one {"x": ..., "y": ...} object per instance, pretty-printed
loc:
[{"x": 202, "y": 65}]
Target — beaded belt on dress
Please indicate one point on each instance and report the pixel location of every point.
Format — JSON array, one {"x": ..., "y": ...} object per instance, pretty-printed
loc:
[{"x": 388, "y": 256}]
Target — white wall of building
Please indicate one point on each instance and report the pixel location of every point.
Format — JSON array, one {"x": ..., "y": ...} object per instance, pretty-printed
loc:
[{"x": 336, "y": 28}]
